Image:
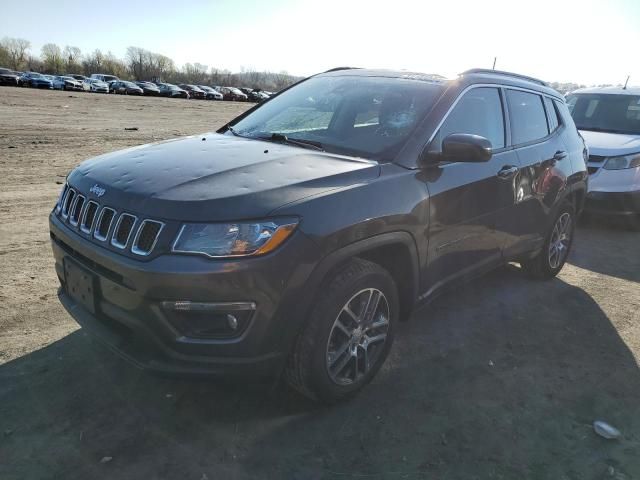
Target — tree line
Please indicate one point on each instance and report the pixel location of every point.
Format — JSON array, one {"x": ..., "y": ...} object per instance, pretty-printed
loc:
[{"x": 138, "y": 64}]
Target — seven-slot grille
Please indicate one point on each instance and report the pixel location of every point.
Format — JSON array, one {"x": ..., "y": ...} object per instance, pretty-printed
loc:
[{"x": 104, "y": 223}]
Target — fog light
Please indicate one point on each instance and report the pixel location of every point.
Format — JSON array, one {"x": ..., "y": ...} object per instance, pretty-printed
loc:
[{"x": 209, "y": 320}]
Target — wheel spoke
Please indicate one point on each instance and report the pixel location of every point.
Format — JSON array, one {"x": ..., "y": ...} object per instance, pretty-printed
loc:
[
  {"x": 349, "y": 312},
  {"x": 338, "y": 353},
  {"x": 382, "y": 322},
  {"x": 365, "y": 355},
  {"x": 340, "y": 326},
  {"x": 343, "y": 363},
  {"x": 372, "y": 307},
  {"x": 377, "y": 338}
]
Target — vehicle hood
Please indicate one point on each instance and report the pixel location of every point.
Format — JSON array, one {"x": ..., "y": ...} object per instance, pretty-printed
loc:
[
  {"x": 214, "y": 177},
  {"x": 610, "y": 144}
]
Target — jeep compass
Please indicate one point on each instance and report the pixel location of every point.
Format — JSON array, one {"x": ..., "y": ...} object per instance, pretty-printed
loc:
[{"x": 295, "y": 238}]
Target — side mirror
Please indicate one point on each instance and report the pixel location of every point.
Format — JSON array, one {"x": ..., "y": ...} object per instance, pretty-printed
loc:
[
  {"x": 465, "y": 147},
  {"x": 459, "y": 147}
]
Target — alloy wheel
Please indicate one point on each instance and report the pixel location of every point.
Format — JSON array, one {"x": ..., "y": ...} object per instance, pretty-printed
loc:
[
  {"x": 358, "y": 336},
  {"x": 560, "y": 240}
]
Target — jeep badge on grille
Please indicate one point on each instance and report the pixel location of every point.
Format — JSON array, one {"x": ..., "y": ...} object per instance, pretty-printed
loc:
[{"x": 97, "y": 190}]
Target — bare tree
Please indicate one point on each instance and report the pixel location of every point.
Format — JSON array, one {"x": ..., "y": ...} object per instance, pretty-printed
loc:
[
  {"x": 115, "y": 66},
  {"x": 4, "y": 55},
  {"x": 161, "y": 66},
  {"x": 72, "y": 57},
  {"x": 93, "y": 63},
  {"x": 51, "y": 57},
  {"x": 139, "y": 64},
  {"x": 137, "y": 60},
  {"x": 16, "y": 49},
  {"x": 34, "y": 64}
]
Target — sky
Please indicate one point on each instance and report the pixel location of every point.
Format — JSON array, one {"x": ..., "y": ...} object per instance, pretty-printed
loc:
[{"x": 582, "y": 41}]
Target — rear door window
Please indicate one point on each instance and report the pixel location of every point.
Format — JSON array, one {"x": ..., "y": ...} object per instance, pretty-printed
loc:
[
  {"x": 527, "y": 117},
  {"x": 552, "y": 114},
  {"x": 478, "y": 112}
]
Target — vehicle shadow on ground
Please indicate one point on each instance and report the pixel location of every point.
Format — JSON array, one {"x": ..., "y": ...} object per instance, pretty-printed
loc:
[
  {"x": 604, "y": 255},
  {"x": 501, "y": 379}
]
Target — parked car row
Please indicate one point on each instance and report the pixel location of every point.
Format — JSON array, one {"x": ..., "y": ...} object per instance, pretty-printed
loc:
[
  {"x": 102, "y": 83},
  {"x": 608, "y": 118}
]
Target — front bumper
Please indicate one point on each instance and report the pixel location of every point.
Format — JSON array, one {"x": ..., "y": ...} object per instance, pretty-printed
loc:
[
  {"x": 127, "y": 312},
  {"x": 613, "y": 203}
]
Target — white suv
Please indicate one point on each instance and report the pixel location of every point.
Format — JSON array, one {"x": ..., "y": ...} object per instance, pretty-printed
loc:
[
  {"x": 609, "y": 120},
  {"x": 104, "y": 78}
]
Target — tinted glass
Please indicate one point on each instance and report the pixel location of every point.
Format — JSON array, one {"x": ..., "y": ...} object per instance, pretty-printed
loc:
[
  {"x": 478, "y": 112},
  {"x": 554, "y": 122},
  {"x": 370, "y": 117},
  {"x": 604, "y": 112},
  {"x": 528, "y": 118}
]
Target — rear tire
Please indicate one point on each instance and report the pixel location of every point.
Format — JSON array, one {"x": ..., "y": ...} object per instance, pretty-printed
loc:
[
  {"x": 348, "y": 335},
  {"x": 557, "y": 246}
]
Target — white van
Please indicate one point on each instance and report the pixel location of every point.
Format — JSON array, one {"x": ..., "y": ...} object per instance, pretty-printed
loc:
[
  {"x": 609, "y": 120},
  {"x": 104, "y": 78}
]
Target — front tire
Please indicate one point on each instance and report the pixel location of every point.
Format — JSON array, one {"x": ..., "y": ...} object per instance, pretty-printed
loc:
[
  {"x": 348, "y": 335},
  {"x": 550, "y": 260}
]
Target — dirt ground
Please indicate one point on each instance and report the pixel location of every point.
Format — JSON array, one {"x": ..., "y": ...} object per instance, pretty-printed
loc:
[{"x": 499, "y": 380}]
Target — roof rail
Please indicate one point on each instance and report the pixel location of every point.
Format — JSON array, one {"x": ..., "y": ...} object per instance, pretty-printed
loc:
[
  {"x": 507, "y": 74},
  {"x": 337, "y": 69}
]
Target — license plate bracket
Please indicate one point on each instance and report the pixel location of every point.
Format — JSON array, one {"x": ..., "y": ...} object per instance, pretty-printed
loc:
[{"x": 80, "y": 284}]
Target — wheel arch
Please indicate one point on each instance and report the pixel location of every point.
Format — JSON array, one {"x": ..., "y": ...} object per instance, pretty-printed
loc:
[{"x": 396, "y": 252}]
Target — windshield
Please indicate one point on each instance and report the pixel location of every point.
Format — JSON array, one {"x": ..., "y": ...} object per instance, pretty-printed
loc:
[
  {"x": 604, "y": 112},
  {"x": 370, "y": 117}
]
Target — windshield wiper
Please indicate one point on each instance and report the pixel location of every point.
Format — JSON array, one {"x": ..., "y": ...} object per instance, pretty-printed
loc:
[
  {"x": 282, "y": 138},
  {"x": 230, "y": 128}
]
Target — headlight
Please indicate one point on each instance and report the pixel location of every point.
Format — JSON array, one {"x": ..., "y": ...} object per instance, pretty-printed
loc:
[
  {"x": 234, "y": 239},
  {"x": 620, "y": 163}
]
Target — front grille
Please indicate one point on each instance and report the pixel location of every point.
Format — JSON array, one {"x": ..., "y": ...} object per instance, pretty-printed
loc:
[
  {"x": 61, "y": 198},
  {"x": 146, "y": 237},
  {"x": 76, "y": 210},
  {"x": 68, "y": 201},
  {"x": 592, "y": 170},
  {"x": 596, "y": 158},
  {"x": 88, "y": 217},
  {"x": 123, "y": 230},
  {"x": 104, "y": 223}
]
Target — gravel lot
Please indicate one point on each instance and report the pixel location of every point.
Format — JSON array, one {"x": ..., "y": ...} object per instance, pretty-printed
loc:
[{"x": 501, "y": 379}]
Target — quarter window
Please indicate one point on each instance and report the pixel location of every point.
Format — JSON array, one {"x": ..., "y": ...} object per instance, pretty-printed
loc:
[
  {"x": 478, "y": 112},
  {"x": 527, "y": 116},
  {"x": 554, "y": 122}
]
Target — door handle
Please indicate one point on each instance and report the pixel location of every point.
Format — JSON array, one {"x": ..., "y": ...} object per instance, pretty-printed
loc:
[
  {"x": 559, "y": 155},
  {"x": 507, "y": 171}
]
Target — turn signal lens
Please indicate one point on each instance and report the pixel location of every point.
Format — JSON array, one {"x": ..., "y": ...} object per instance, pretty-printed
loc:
[{"x": 220, "y": 240}]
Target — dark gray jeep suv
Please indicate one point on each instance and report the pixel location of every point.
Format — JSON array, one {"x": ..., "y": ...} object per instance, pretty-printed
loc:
[{"x": 295, "y": 238}]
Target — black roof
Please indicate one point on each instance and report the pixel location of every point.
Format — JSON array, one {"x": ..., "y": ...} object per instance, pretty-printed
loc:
[
  {"x": 366, "y": 72},
  {"x": 474, "y": 75}
]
